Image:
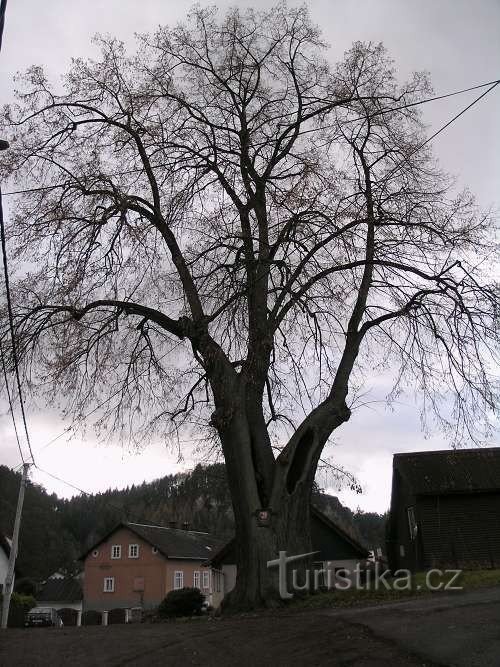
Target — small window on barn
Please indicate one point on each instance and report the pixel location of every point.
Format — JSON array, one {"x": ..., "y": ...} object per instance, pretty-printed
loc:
[
  {"x": 109, "y": 584},
  {"x": 412, "y": 523},
  {"x": 206, "y": 580},
  {"x": 133, "y": 551},
  {"x": 402, "y": 550},
  {"x": 178, "y": 579},
  {"x": 196, "y": 579},
  {"x": 116, "y": 551}
]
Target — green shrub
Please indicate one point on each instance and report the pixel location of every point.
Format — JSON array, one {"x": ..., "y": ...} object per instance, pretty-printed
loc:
[
  {"x": 19, "y": 607},
  {"x": 25, "y": 586},
  {"x": 181, "y": 602}
]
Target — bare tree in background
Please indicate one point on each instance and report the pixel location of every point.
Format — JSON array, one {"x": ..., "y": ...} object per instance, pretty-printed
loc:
[{"x": 229, "y": 232}]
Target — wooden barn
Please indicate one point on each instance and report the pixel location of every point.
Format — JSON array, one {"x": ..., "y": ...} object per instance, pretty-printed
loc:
[{"x": 445, "y": 510}]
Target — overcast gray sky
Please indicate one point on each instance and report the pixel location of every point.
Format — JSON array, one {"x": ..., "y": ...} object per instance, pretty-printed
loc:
[{"x": 455, "y": 40}]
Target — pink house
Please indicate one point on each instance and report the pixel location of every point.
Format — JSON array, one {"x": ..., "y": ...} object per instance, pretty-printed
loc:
[{"x": 136, "y": 565}]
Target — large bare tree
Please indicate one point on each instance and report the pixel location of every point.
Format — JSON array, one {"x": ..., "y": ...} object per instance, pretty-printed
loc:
[{"x": 224, "y": 231}]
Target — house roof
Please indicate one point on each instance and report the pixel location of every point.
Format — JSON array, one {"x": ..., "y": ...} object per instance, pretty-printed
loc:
[
  {"x": 60, "y": 590},
  {"x": 333, "y": 525},
  {"x": 361, "y": 549},
  {"x": 171, "y": 542},
  {"x": 451, "y": 471}
]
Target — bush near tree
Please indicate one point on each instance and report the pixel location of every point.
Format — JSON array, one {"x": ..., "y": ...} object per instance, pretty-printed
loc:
[
  {"x": 181, "y": 602},
  {"x": 19, "y": 607}
]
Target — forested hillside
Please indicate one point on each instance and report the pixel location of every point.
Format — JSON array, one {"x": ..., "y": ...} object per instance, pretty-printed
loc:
[{"x": 56, "y": 531}]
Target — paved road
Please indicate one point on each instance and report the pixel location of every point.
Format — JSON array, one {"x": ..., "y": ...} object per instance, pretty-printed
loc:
[{"x": 461, "y": 630}]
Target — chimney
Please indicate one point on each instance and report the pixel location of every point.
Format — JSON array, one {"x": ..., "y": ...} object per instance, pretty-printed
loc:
[
  {"x": 172, "y": 524},
  {"x": 185, "y": 525}
]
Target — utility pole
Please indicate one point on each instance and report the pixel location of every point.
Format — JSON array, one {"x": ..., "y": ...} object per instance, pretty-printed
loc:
[{"x": 9, "y": 581}]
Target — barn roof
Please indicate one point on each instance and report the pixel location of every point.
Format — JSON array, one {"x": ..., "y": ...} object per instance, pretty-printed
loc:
[
  {"x": 60, "y": 590},
  {"x": 171, "y": 542},
  {"x": 226, "y": 553},
  {"x": 451, "y": 471}
]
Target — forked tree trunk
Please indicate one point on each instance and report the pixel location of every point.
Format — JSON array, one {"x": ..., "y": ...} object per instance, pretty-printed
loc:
[
  {"x": 282, "y": 487},
  {"x": 257, "y": 585},
  {"x": 257, "y": 542}
]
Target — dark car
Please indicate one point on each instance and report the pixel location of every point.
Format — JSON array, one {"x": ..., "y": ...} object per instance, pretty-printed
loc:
[{"x": 40, "y": 617}]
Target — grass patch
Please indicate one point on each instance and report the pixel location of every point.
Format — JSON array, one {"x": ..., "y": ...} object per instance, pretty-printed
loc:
[{"x": 420, "y": 585}]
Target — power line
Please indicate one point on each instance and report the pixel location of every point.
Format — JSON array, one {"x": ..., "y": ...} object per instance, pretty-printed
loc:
[
  {"x": 11, "y": 327},
  {"x": 383, "y": 112},
  {"x": 91, "y": 412},
  {"x": 63, "y": 481},
  {"x": 6, "y": 379},
  {"x": 121, "y": 510},
  {"x": 352, "y": 120},
  {"x": 441, "y": 129}
]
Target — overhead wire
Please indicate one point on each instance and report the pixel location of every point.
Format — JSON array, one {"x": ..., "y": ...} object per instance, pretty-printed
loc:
[
  {"x": 15, "y": 359},
  {"x": 9, "y": 398},
  {"x": 348, "y": 121}
]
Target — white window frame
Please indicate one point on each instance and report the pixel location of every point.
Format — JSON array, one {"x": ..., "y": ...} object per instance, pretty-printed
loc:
[
  {"x": 109, "y": 585},
  {"x": 118, "y": 548},
  {"x": 130, "y": 548},
  {"x": 178, "y": 579},
  {"x": 197, "y": 579},
  {"x": 412, "y": 522},
  {"x": 217, "y": 578},
  {"x": 206, "y": 580}
]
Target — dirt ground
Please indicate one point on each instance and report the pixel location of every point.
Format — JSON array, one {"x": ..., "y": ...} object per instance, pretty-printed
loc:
[{"x": 298, "y": 639}]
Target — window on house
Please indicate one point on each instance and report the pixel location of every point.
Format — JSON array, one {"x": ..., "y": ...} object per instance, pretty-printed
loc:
[
  {"x": 196, "y": 579},
  {"x": 133, "y": 551},
  {"x": 138, "y": 584},
  {"x": 95, "y": 553},
  {"x": 217, "y": 582},
  {"x": 178, "y": 579},
  {"x": 116, "y": 551},
  {"x": 206, "y": 580},
  {"x": 154, "y": 550},
  {"x": 412, "y": 522},
  {"x": 109, "y": 584}
]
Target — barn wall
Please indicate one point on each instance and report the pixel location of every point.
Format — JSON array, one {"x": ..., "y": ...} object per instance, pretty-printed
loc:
[{"x": 460, "y": 531}]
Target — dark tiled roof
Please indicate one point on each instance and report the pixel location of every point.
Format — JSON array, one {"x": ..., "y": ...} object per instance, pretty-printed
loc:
[
  {"x": 171, "y": 542},
  {"x": 176, "y": 542},
  {"x": 451, "y": 471},
  {"x": 60, "y": 590}
]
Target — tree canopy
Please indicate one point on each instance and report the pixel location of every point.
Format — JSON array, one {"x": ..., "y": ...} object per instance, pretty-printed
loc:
[{"x": 224, "y": 229}]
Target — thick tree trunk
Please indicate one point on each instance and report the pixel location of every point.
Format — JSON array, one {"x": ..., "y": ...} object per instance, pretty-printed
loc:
[
  {"x": 281, "y": 488},
  {"x": 257, "y": 543}
]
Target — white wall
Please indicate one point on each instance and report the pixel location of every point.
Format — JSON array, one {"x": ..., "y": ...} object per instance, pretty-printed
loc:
[
  {"x": 4, "y": 562},
  {"x": 61, "y": 605},
  {"x": 229, "y": 572}
]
